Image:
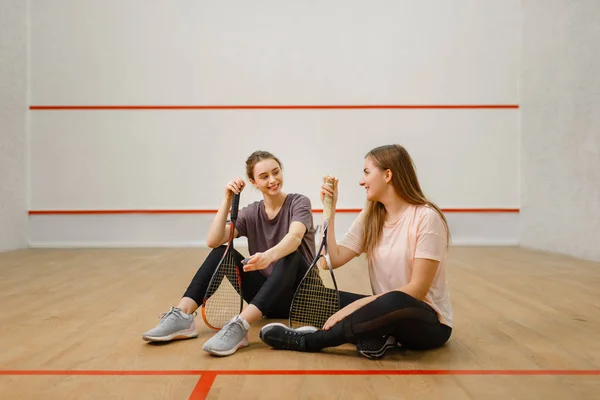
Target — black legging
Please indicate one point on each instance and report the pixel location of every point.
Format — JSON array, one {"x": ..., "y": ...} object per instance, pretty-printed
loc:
[
  {"x": 413, "y": 323},
  {"x": 272, "y": 295}
]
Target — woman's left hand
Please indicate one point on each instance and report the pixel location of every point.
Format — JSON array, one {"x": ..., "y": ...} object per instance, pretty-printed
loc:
[
  {"x": 258, "y": 261},
  {"x": 340, "y": 315}
]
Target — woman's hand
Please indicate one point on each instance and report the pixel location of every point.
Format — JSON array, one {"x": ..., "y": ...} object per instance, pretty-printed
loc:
[
  {"x": 322, "y": 263},
  {"x": 341, "y": 314},
  {"x": 258, "y": 261},
  {"x": 327, "y": 190},
  {"x": 234, "y": 186}
]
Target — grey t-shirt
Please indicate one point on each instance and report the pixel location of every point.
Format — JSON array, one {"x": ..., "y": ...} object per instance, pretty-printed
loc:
[{"x": 263, "y": 233}]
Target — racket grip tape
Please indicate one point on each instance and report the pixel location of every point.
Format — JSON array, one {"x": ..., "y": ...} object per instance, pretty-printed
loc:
[
  {"x": 235, "y": 204},
  {"x": 328, "y": 202}
]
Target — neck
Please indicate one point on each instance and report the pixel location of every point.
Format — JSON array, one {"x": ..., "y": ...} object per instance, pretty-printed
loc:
[
  {"x": 274, "y": 202},
  {"x": 394, "y": 205}
]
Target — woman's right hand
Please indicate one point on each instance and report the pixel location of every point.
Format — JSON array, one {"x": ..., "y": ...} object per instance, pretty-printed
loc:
[
  {"x": 234, "y": 186},
  {"x": 327, "y": 190}
]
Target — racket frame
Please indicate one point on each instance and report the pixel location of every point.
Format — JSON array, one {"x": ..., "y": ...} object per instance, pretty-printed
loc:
[
  {"x": 228, "y": 250},
  {"x": 313, "y": 265}
]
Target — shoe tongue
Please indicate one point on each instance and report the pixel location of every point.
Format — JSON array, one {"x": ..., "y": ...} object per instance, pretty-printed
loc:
[
  {"x": 233, "y": 324},
  {"x": 172, "y": 313}
]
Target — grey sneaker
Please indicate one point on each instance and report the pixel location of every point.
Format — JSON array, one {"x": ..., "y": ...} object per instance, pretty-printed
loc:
[
  {"x": 233, "y": 336},
  {"x": 173, "y": 325}
]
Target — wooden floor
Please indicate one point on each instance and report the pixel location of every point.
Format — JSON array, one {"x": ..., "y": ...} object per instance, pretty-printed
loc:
[{"x": 527, "y": 326}]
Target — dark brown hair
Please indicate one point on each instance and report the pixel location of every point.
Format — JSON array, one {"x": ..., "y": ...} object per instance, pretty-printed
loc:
[{"x": 256, "y": 157}]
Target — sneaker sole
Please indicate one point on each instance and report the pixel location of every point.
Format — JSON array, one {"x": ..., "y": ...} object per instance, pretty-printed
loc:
[
  {"x": 377, "y": 355},
  {"x": 229, "y": 352},
  {"x": 181, "y": 335},
  {"x": 301, "y": 329}
]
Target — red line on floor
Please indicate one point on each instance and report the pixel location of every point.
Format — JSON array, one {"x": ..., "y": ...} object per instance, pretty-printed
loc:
[
  {"x": 93, "y": 372},
  {"x": 514, "y": 372},
  {"x": 210, "y": 211},
  {"x": 274, "y": 107},
  {"x": 203, "y": 386},
  {"x": 412, "y": 372}
]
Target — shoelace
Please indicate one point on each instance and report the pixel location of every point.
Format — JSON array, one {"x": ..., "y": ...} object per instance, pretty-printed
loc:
[
  {"x": 293, "y": 338},
  {"x": 164, "y": 317},
  {"x": 169, "y": 315},
  {"x": 228, "y": 329}
]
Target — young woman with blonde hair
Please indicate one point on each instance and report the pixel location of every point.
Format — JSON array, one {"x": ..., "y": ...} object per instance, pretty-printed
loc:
[{"x": 405, "y": 237}]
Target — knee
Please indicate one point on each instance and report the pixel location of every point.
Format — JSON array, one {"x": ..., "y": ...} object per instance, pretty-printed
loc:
[
  {"x": 216, "y": 253},
  {"x": 398, "y": 297},
  {"x": 291, "y": 262},
  {"x": 295, "y": 259},
  {"x": 219, "y": 250}
]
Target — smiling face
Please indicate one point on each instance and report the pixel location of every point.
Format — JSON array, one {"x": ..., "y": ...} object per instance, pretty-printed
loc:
[
  {"x": 373, "y": 180},
  {"x": 268, "y": 177},
  {"x": 390, "y": 180}
]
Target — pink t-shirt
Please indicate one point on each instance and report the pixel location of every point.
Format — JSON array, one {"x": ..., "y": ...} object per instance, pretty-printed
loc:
[{"x": 419, "y": 233}]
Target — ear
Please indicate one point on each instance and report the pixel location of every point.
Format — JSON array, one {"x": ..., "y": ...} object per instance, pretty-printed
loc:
[
  {"x": 252, "y": 182},
  {"x": 388, "y": 175}
]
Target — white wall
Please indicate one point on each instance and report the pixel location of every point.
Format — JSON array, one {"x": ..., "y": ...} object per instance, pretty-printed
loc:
[
  {"x": 561, "y": 127},
  {"x": 13, "y": 108},
  {"x": 266, "y": 52}
]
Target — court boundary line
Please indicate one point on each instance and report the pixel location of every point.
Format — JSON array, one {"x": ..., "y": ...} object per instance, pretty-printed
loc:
[
  {"x": 203, "y": 386},
  {"x": 214, "y": 211},
  {"x": 207, "y": 377},
  {"x": 199, "y": 372}
]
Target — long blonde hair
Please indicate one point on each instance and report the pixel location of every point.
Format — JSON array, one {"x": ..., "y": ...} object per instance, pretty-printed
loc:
[{"x": 406, "y": 185}]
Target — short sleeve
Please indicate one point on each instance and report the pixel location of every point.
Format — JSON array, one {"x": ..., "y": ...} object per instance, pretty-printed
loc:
[
  {"x": 431, "y": 236},
  {"x": 302, "y": 211},
  {"x": 353, "y": 239},
  {"x": 241, "y": 224}
]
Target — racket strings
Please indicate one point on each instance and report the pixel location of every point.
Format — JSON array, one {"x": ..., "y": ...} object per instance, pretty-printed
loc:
[
  {"x": 223, "y": 294},
  {"x": 314, "y": 302}
]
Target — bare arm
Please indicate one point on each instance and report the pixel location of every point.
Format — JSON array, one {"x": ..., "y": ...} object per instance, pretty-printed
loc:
[
  {"x": 338, "y": 255},
  {"x": 218, "y": 233},
  {"x": 290, "y": 243},
  {"x": 422, "y": 276}
]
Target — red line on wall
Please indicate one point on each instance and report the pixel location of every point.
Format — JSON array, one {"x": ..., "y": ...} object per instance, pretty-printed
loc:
[
  {"x": 203, "y": 386},
  {"x": 480, "y": 210},
  {"x": 214, "y": 373},
  {"x": 79, "y": 212},
  {"x": 213, "y": 211},
  {"x": 274, "y": 107}
]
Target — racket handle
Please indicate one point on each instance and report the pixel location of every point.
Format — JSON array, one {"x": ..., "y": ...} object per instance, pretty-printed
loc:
[
  {"x": 328, "y": 203},
  {"x": 235, "y": 204}
]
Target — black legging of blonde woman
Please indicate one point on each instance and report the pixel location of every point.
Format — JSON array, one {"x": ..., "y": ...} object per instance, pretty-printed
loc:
[{"x": 413, "y": 323}]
